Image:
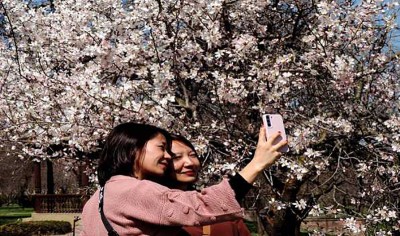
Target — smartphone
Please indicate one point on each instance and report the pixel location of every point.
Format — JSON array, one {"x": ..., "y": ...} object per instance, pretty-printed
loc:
[{"x": 274, "y": 123}]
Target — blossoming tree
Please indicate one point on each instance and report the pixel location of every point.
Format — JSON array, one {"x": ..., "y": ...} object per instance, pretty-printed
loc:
[{"x": 72, "y": 69}]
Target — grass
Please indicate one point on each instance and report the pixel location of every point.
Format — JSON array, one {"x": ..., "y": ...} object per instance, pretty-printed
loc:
[{"x": 10, "y": 214}]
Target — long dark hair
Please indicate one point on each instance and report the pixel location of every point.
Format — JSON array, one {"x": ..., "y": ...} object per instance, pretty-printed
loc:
[
  {"x": 183, "y": 140},
  {"x": 123, "y": 145}
]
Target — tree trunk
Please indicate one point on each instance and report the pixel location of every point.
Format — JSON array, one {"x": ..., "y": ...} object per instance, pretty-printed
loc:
[
  {"x": 83, "y": 178},
  {"x": 283, "y": 222},
  {"x": 50, "y": 177},
  {"x": 37, "y": 177}
]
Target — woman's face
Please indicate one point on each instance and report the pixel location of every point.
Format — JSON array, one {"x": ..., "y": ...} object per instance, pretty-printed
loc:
[
  {"x": 154, "y": 160},
  {"x": 186, "y": 163}
]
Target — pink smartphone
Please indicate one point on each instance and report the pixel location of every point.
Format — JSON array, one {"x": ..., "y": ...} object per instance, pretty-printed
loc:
[{"x": 274, "y": 123}]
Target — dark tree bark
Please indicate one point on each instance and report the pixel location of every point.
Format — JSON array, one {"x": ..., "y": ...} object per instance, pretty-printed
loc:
[
  {"x": 50, "y": 177},
  {"x": 83, "y": 177},
  {"x": 37, "y": 177},
  {"x": 283, "y": 222}
]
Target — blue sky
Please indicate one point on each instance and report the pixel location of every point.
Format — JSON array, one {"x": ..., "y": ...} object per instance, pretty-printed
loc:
[{"x": 396, "y": 33}]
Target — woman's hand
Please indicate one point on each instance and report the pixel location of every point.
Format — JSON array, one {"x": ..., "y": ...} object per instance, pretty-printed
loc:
[{"x": 265, "y": 155}]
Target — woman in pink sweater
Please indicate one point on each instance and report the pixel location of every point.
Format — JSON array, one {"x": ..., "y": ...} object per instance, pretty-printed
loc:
[
  {"x": 186, "y": 166},
  {"x": 131, "y": 205}
]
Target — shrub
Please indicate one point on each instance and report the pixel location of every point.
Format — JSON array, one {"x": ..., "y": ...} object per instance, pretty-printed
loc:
[
  {"x": 3, "y": 199},
  {"x": 35, "y": 228},
  {"x": 25, "y": 201}
]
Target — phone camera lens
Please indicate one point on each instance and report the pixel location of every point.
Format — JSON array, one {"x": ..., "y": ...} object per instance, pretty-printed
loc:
[{"x": 268, "y": 121}]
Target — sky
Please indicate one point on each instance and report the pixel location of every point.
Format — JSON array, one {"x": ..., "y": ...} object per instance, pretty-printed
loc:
[{"x": 396, "y": 40}]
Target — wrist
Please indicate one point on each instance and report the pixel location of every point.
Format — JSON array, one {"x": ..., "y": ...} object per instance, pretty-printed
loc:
[
  {"x": 251, "y": 171},
  {"x": 256, "y": 166}
]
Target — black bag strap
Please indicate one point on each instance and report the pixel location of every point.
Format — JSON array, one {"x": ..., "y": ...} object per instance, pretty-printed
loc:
[{"x": 109, "y": 228}]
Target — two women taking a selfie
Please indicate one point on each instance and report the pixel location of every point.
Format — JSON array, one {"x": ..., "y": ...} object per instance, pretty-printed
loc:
[{"x": 131, "y": 202}]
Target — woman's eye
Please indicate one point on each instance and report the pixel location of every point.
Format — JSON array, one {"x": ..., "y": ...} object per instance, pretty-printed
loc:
[
  {"x": 177, "y": 157},
  {"x": 162, "y": 148},
  {"x": 193, "y": 156}
]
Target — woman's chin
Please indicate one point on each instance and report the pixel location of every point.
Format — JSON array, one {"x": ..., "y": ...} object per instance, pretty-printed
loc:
[{"x": 187, "y": 179}]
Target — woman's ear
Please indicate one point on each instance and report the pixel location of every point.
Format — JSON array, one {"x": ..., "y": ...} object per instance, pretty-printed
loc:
[{"x": 136, "y": 156}]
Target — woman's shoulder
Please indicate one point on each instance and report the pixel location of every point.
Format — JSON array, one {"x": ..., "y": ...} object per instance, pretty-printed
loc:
[
  {"x": 129, "y": 183},
  {"x": 118, "y": 178}
]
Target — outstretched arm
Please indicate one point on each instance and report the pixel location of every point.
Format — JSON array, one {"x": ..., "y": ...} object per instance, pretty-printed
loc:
[{"x": 265, "y": 155}]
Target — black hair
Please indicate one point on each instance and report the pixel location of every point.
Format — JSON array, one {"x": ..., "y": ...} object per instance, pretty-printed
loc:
[
  {"x": 123, "y": 145},
  {"x": 185, "y": 141}
]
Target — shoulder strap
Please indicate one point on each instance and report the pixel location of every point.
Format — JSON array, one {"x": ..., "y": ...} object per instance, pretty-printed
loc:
[
  {"x": 109, "y": 228},
  {"x": 206, "y": 230}
]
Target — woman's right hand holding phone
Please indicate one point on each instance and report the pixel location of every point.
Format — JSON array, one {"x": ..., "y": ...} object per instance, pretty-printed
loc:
[{"x": 265, "y": 155}]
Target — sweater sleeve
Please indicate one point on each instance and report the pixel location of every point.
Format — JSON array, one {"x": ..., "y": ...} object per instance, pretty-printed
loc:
[
  {"x": 240, "y": 186},
  {"x": 150, "y": 202}
]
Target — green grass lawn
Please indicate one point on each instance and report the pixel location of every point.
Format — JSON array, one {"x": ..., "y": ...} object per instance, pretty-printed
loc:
[{"x": 13, "y": 213}]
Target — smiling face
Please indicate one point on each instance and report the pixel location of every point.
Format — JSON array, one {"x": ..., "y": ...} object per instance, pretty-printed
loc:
[
  {"x": 186, "y": 164},
  {"x": 154, "y": 159}
]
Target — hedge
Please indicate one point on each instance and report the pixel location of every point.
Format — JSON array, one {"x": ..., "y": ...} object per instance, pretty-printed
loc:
[{"x": 36, "y": 228}]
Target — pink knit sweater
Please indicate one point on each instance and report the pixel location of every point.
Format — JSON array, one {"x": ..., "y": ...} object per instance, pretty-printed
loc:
[{"x": 141, "y": 207}]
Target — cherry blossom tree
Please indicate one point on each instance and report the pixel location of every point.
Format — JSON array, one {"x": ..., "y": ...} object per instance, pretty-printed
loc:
[{"x": 73, "y": 69}]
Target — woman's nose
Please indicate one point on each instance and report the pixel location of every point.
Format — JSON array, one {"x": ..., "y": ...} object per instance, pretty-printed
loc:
[
  {"x": 167, "y": 155},
  {"x": 188, "y": 162}
]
